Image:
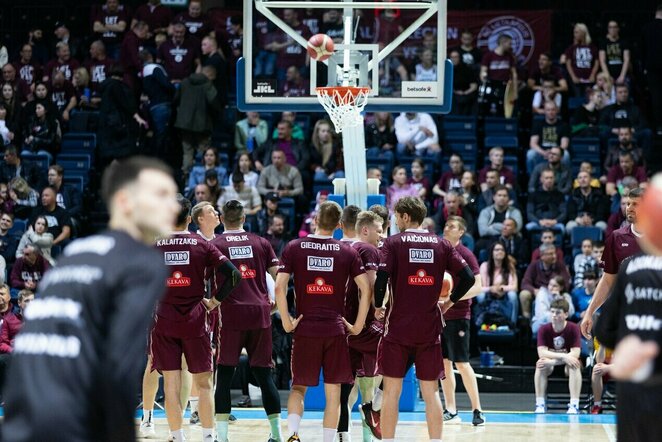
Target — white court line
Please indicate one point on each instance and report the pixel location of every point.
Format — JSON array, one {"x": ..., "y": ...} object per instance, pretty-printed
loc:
[{"x": 609, "y": 429}]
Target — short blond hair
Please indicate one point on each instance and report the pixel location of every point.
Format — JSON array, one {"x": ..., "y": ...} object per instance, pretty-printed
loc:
[{"x": 366, "y": 218}]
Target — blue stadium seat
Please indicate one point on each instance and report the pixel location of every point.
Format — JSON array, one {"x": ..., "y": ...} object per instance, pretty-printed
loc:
[
  {"x": 585, "y": 148},
  {"x": 75, "y": 181},
  {"x": 286, "y": 205},
  {"x": 83, "y": 121},
  {"x": 19, "y": 227},
  {"x": 79, "y": 142},
  {"x": 579, "y": 234},
  {"x": 322, "y": 185},
  {"x": 575, "y": 103},
  {"x": 466, "y": 149},
  {"x": 505, "y": 141},
  {"x": 383, "y": 164},
  {"x": 500, "y": 126},
  {"x": 43, "y": 161},
  {"x": 75, "y": 162},
  {"x": 459, "y": 124}
]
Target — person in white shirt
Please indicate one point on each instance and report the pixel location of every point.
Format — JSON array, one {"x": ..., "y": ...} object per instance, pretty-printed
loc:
[{"x": 417, "y": 134}]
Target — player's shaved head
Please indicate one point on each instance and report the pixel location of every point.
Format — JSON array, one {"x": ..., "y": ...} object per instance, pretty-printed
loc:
[
  {"x": 184, "y": 210},
  {"x": 124, "y": 173},
  {"x": 329, "y": 215},
  {"x": 412, "y": 206},
  {"x": 233, "y": 213},
  {"x": 349, "y": 215}
]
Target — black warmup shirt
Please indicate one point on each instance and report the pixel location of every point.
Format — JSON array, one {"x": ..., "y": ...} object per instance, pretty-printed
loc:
[
  {"x": 635, "y": 307},
  {"x": 75, "y": 370}
]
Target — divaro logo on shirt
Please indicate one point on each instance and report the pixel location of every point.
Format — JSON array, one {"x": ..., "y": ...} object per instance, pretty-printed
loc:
[
  {"x": 421, "y": 256},
  {"x": 178, "y": 280},
  {"x": 241, "y": 252},
  {"x": 421, "y": 278},
  {"x": 247, "y": 273},
  {"x": 320, "y": 264},
  {"x": 176, "y": 258},
  {"x": 319, "y": 287}
]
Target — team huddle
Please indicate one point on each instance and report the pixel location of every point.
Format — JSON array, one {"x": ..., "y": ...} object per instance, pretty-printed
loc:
[
  {"x": 344, "y": 326},
  {"x": 367, "y": 309}
]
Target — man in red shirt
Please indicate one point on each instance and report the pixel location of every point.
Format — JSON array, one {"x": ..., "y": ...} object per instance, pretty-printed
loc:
[
  {"x": 415, "y": 261},
  {"x": 29, "y": 70},
  {"x": 499, "y": 67},
  {"x": 621, "y": 244},
  {"x": 180, "y": 321},
  {"x": 156, "y": 15},
  {"x": 195, "y": 20},
  {"x": 99, "y": 67},
  {"x": 456, "y": 334},
  {"x": 625, "y": 167},
  {"x": 290, "y": 53},
  {"x": 130, "y": 52},
  {"x": 322, "y": 267},
  {"x": 62, "y": 62},
  {"x": 110, "y": 25},
  {"x": 246, "y": 318},
  {"x": 559, "y": 343},
  {"x": 179, "y": 55},
  {"x": 363, "y": 347}
]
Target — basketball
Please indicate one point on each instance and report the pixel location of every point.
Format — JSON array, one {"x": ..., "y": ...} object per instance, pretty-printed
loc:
[
  {"x": 320, "y": 47},
  {"x": 446, "y": 286},
  {"x": 649, "y": 216}
]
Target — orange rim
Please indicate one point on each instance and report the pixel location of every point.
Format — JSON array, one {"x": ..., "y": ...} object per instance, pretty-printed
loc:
[{"x": 354, "y": 91}]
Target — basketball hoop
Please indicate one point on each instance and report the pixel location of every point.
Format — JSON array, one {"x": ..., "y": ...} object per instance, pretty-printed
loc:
[{"x": 344, "y": 104}]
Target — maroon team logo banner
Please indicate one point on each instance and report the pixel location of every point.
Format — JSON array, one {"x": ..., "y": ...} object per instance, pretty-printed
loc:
[{"x": 530, "y": 30}]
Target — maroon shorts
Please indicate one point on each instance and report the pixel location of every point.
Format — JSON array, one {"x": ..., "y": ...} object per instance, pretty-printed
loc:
[
  {"x": 363, "y": 351},
  {"x": 392, "y": 360},
  {"x": 256, "y": 342},
  {"x": 167, "y": 353},
  {"x": 310, "y": 354}
]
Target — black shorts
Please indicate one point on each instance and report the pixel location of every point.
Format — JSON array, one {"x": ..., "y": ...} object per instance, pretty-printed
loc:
[{"x": 455, "y": 340}]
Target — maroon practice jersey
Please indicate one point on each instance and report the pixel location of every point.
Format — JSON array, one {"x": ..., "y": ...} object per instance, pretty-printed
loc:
[
  {"x": 322, "y": 268},
  {"x": 248, "y": 307},
  {"x": 416, "y": 261},
  {"x": 370, "y": 258},
  {"x": 621, "y": 244},
  {"x": 190, "y": 260},
  {"x": 462, "y": 309}
]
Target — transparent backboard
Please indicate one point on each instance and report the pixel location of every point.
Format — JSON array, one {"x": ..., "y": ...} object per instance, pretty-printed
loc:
[{"x": 398, "y": 49}]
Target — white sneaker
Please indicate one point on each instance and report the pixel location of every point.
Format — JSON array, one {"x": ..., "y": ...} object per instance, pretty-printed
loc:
[
  {"x": 147, "y": 430},
  {"x": 572, "y": 409},
  {"x": 540, "y": 409}
]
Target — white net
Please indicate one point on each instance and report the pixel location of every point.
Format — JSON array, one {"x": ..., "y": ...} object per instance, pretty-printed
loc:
[{"x": 344, "y": 104}]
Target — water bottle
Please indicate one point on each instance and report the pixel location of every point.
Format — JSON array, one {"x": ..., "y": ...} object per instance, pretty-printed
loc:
[
  {"x": 250, "y": 145},
  {"x": 87, "y": 93}
]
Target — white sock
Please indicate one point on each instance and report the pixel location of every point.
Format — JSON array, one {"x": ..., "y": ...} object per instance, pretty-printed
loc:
[
  {"x": 344, "y": 436},
  {"x": 435, "y": 440},
  {"x": 597, "y": 403},
  {"x": 377, "y": 400},
  {"x": 293, "y": 421},
  {"x": 388, "y": 440},
  {"x": 329, "y": 434},
  {"x": 178, "y": 435},
  {"x": 540, "y": 401},
  {"x": 207, "y": 435},
  {"x": 575, "y": 402},
  {"x": 193, "y": 400},
  {"x": 147, "y": 415},
  {"x": 451, "y": 410}
]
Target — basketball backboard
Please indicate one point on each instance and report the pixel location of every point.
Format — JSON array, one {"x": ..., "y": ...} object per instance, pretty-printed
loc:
[{"x": 398, "y": 48}]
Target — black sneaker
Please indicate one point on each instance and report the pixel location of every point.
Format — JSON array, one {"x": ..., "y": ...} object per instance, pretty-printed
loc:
[
  {"x": 232, "y": 418},
  {"x": 478, "y": 419},
  {"x": 294, "y": 438},
  {"x": 451, "y": 418},
  {"x": 195, "y": 418}
]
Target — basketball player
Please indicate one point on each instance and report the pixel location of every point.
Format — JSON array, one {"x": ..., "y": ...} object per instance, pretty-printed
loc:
[
  {"x": 632, "y": 314},
  {"x": 456, "y": 333},
  {"x": 415, "y": 261},
  {"x": 181, "y": 326},
  {"x": 322, "y": 267},
  {"x": 363, "y": 347},
  {"x": 348, "y": 223},
  {"x": 78, "y": 358},
  {"x": 246, "y": 318},
  {"x": 621, "y": 244}
]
